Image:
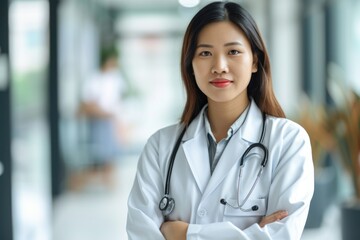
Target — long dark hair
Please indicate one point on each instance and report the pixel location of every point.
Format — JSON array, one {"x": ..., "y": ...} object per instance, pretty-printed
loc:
[{"x": 260, "y": 86}]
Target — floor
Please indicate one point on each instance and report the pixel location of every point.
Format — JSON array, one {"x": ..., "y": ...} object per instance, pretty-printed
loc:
[{"x": 96, "y": 213}]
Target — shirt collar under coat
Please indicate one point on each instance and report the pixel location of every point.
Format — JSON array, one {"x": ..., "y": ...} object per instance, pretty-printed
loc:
[{"x": 250, "y": 131}]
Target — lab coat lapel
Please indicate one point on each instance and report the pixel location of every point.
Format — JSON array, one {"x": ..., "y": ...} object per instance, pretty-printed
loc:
[
  {"x": 249, "y": 133},
  {"x": 196, "y": 152}
]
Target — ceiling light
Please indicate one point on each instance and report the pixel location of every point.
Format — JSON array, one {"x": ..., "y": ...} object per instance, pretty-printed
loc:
[{"x": 189, "y": 3}]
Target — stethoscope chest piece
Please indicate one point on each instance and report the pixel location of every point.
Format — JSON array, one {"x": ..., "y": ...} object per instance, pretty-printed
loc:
[{"x": 166, "y": 205}]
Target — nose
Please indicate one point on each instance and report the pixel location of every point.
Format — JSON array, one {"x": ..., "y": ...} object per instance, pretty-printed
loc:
[{"x": 220, "y": 65}]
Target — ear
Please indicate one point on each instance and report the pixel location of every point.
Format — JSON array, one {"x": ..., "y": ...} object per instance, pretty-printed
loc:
[{"x": 255, "y": 63}]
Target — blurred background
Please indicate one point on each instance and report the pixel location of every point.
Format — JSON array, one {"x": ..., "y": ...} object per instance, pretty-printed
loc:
[{"x": 54, "y": 185}]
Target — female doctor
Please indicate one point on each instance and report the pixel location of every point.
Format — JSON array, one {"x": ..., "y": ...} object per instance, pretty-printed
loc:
[{"x": 234, "y": 167}]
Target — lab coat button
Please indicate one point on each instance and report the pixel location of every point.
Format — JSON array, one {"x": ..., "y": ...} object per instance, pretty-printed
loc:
[{"x": 202, "y": 212}]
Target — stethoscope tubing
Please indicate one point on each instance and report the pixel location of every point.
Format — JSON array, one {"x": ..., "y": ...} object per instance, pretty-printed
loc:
[
  {"x": 166, "y": 199},
  {"x": 172, "y": 160}
]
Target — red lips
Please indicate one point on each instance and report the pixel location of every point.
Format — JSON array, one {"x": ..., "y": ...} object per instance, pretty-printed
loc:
[{"x": 221, "y": 83}]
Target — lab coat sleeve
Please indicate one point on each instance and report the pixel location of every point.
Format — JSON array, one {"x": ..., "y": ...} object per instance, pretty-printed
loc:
[
  {"x": 291, "y": 189},
  {"x": 292, "y": 184},
  {"x": 144, "y": 218},
  {"x": 220, "y": 230}
]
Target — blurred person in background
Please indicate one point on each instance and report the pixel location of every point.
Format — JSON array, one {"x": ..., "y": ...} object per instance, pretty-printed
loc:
[
  {"x": 234, "y": 167},
  {"x": 100, "y": 104}
]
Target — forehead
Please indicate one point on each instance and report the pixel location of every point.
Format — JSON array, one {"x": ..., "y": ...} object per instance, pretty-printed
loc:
[{"x": 219, "y": 32}]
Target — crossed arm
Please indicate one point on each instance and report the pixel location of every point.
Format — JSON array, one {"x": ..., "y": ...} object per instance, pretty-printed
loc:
[{"x": 176, "y": 230}]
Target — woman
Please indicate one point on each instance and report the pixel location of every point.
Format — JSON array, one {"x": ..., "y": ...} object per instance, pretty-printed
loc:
[{"x": 231, "y": 118}]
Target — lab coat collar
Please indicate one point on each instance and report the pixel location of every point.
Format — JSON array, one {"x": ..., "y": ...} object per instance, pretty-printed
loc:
[
  {"x": 196, "y": 126},
  {"x": 248, "y": 131},
  {"x": 196, "y": 151},
  {"x": 197, "y": 155}
]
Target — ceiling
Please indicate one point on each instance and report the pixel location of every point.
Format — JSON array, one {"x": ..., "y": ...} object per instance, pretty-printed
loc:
[
  {"x": 146, "y": 4},
  {"x": 153, "y": 16}
]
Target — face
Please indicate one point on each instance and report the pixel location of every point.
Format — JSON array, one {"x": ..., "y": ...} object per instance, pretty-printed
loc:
[{"x": 223, "y": 62}]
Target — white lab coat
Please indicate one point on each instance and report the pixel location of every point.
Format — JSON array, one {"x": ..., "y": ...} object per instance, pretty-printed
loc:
[{"x": 287, "y": 182}]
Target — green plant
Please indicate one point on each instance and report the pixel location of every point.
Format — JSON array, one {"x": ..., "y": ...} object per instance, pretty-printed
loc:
[
  {"x": 313, "y": 118},
  {"x": 335, "y": 128},
  {"x": 344, "y": 123}
]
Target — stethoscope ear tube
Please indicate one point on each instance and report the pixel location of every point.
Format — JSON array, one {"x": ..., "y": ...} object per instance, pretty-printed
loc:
[
  {"x": 258, "y": 144},
  {"x": 252, "y": 146},
  {"x": 253, "y": 208}
]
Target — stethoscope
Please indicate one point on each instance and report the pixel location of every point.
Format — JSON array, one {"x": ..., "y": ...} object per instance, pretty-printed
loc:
[{"x": 167, "y": 203}]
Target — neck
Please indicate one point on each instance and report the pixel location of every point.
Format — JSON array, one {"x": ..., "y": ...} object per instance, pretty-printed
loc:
[{"x": 222, "y": 115}]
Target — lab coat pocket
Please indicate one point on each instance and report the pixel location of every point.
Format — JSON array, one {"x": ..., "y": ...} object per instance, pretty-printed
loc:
[{"x": 245, "y": 217}]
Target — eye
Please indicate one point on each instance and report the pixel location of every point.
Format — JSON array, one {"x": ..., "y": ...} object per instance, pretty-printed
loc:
[
  {"x": 205, "y": 53},
  {"x": 234, "y": 52}
]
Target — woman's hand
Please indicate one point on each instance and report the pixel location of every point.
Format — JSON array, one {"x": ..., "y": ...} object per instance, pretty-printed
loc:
[
  {"x": 276, "y": 216},
  {"x": 174, "y": 230}
]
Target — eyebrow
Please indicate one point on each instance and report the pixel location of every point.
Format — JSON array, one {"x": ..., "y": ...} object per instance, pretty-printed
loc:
[{"x": 226, "y": 45}]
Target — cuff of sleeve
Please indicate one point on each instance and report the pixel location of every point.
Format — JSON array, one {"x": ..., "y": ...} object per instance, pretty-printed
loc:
[
  {"x": 253, "y": 231},
  {"x": 193, "y": 231}
]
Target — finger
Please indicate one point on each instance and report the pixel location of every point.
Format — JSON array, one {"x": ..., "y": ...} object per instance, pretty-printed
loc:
[{"x": 276, "y": 216}]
